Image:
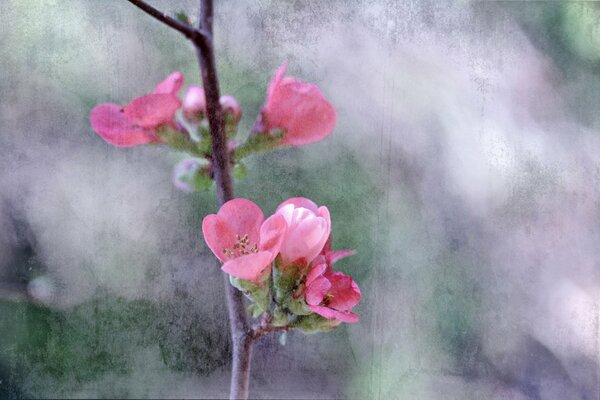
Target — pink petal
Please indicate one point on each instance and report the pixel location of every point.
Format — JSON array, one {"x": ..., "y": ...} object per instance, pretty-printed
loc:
[
  {"x": 248, "y": 267},
  {"x": 344, "y": 291},
  {"x": 171, "y": 84},
  {"x": 272, "y": 234},
  {"x": 300, "y": 202},
  {"x": 333, "y": 256},
  {"x": 276, "y": 81},
  {"x": 244, "y": 217},
  {"x": 316, "y": 272},
  {"x": 330, "y": 313},
  {"x": 218, "y": 235},
  {"x": 316, "y": 291},
  {"x": 152, "y": 110},
  {"x": 115, "y": 128}
]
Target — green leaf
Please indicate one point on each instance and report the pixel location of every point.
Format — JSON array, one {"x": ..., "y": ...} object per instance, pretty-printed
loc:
[{"x": 182, "y": 17}]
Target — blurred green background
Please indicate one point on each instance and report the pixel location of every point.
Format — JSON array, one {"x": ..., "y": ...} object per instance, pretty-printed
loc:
[{"x": 463, "y": 171}]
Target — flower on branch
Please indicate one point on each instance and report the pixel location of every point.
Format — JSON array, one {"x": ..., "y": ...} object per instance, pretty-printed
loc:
[
  {"x": 137, "y": 122},
  {"x": 303, "y": 291},
  {"x": 331, "y": 294},
  {"x": 298, "y": 108},
  {"x": 240, "y": 236},
  {"x": 308, "y": 228}
]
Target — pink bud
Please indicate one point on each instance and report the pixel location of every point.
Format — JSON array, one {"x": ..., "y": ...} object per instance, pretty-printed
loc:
[
  {"x": 299, "y": 108},
  {"x": 194, "y": 104},
  {"x": 309, "y": 227},
  {"x": 231, "y": 105}
]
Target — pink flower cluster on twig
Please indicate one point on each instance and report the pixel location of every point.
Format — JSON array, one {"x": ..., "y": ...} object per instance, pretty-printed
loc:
[{"x": 296, "y": 237}]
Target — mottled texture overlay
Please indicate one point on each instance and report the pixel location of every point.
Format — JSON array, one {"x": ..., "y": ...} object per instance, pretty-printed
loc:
[{"x": 464, "y": 169}]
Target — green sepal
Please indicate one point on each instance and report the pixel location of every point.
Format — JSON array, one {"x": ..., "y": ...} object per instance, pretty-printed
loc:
[
  {"x": 259, "y": 294},
  {"x": 279, "y": 317},
  {"x": 177, "y": 140},
  {"x": 315, "y": 323},
  {"x": 284, "y": 281},
  {"x": 230, "y": 125},
  {"x": 297, "y": 306},
  {"x": 254, "y": 310},
  {"x": 259, "y": 142},
  {"x": 204, "y": 145}
]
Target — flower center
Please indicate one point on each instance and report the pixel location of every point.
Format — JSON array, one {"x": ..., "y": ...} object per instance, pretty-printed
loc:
[
  {"x": 327, "y": 299},
  {"x": 241, "y": 247}
]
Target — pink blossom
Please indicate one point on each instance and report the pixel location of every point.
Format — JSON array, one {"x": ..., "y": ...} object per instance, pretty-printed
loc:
[
  {"x": 240, "y": 236},
  {"x": 308, "y": 228},
  {"x": 298, "y": 108},
  {"x": 331, "y": 294},
  {"x": 194, "y": 103},
  {"x": 136, "y": 123}
]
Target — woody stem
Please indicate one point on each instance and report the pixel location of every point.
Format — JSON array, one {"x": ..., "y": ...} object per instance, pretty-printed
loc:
[{"x": 202, "y": 37}]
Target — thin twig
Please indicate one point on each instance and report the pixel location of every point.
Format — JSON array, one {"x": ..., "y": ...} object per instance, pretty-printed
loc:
[
  {"x": 261, "y": 331},
  {"x": 187, "y": 30},
  {"x": 241, "y": 334}
]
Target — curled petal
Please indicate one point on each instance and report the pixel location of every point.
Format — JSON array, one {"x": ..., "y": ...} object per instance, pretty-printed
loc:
[
  {"x": 330, "y": 313},
  {"x": 152, "y": 110},
  {"x": 275, "y": 81},
  {"x": 316, "y": 272},
  {"x": 300, "y": 202},
  {"x": 171, "y": 84},
  {"x": 334, "y": 256},
  {"x": 218, "y": 235},
  {"x": 115, "y": 128},
  {"x": 244, "y": 217},
  {"x": 248, "y": 267},
  {"x": 316, "y": 291},
  {"x": 272, "y": 234}
]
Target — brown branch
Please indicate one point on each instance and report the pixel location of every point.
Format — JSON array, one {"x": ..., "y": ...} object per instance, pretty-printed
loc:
[
  {"x": 261, "y": 331},
  {"x": 188, "y": 31},
  {"x": 241, "y": 334}
]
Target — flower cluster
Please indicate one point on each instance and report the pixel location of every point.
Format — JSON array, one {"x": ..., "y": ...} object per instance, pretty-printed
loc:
[
  {"x": 295, "y": 113},
  {"x": 284, "y": 263}
]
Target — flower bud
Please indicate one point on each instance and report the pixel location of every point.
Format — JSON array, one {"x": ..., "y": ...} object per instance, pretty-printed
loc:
[
  {"x": 189, "y": 176},
  {"x": 194, "y": 104},
  {"x": 231, "y": 106}
]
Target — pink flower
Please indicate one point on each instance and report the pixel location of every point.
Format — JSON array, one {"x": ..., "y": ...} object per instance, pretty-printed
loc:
[
  {"x": 308, "y": 228},
  {"x": 135, "y": 124},
  {"x": 240, "y": 236},
  {"x": 331, "y": 294},
  {"x": 299, "y": 108}
]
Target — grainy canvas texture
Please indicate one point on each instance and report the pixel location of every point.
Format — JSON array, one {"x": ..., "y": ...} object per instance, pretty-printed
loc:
[{"x": 464, "y": 171}]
